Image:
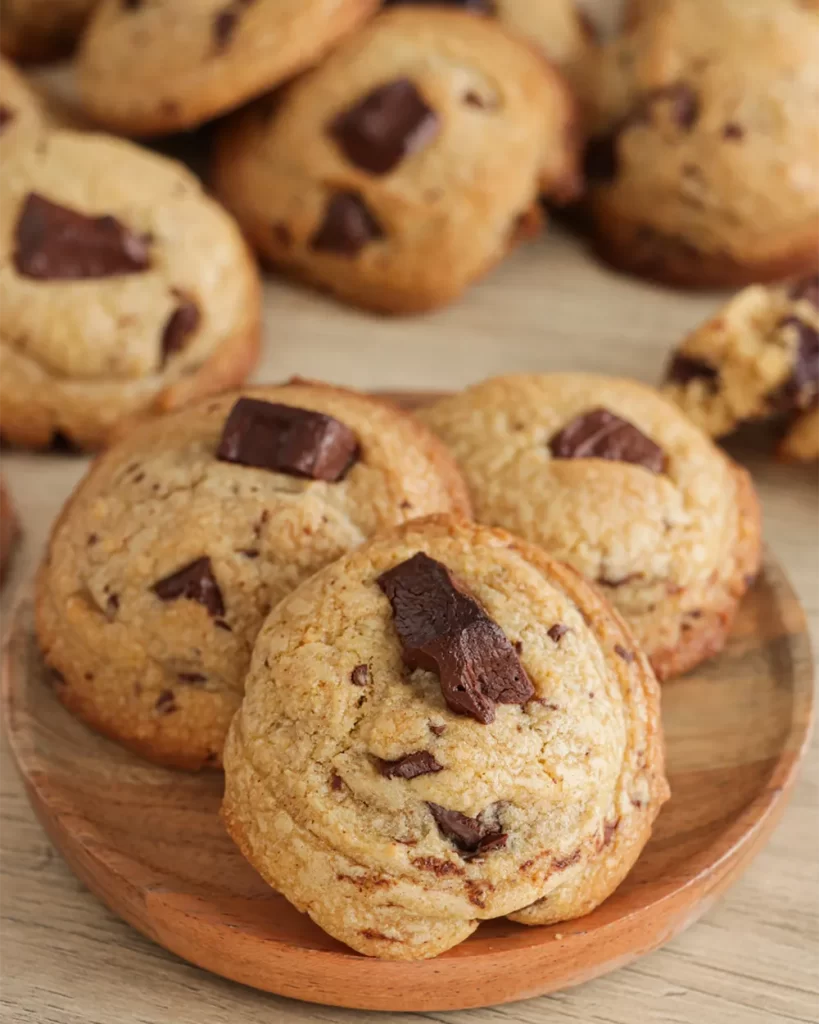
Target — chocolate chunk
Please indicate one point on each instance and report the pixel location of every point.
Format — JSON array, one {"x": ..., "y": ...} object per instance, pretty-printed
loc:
[
  {"x": 470, "y": 835},
  {"x": 803, "y": 383},
  {"x": 627, "y": 656},
  {"x": 684, "y": 369},
  {"x": 385, "y": 126},
  {"x": 600, "y": 163},
  {"x": 360, "y": 675},
  {"x": 195, "y": 582},
  {"x": 6, "y": 115},
  {"x": 443, "y": 629},
  {"x": 599, "y": 434},
  {"x": 336, "y": 782},
  {"x": 807, "y": 289},
  {"x": 557, "y": 631},
  {"x": 410, "y": 766},
  {"x": 54, "y": 243},
  {"x": 182, "y": 322},
  {"x": 732, "y": 130},
  {"x": 685, "y": 106},
  {"x": 286, "y": 439},
  {"x": 439, "y": 730},
  {"x": 165, "y": 702},
  {"x": 224, "y": 25},
  {"x": 347, "y": 226}
]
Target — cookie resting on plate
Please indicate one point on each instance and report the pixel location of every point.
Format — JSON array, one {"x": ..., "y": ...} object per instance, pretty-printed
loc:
[
  {"x": 443, "y": 727},
  {"x": 183, "y": 536},
  {"x": 704, "y": 166},
  {"x": 125, "y": 290},
  {"x": 405, "y": 166},
  {"x": 150, "y": 67},
  {"x": 612, "y": 478}
]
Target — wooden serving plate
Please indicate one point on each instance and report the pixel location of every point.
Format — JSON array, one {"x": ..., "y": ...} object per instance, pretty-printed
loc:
[{"x": 150, "y": 844}]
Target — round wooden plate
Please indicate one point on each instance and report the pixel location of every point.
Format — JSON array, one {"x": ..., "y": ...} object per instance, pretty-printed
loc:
[{"x": 149, "y": 842}]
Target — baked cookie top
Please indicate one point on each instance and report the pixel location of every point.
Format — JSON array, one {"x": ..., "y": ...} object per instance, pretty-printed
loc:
[
  {"x": 612, "y": 478},
  {"x": 757, "y": 358},
  {"x": 405, "y": 165},
  {"x": 184, "y": 535},
  {"x": 157, "y": 66},
  {"x": 22, "y": 117},
  {"x": 706, "y": 139},
  {"x": 119, "y": 278},
  {"x": 442, "y": 727}
]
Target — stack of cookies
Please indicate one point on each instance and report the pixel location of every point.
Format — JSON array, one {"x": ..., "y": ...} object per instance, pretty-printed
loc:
[{"x": 424, "y": 721}]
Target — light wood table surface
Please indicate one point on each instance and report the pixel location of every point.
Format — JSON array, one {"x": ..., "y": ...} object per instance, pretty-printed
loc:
[{"x": 753, "y": 958}]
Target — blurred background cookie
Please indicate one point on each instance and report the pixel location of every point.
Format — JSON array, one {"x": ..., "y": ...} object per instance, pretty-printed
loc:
[
  {"x": 22, "y": 117},
  {"x": 182, "y": 537},
  {"x": 704, "y": 165},
  {"x": 610, "y": 477},
  {"x": 125, "y": 290},
  {"x": 38, "y": 30},
  {"x": 149, "y": 67},
  {"x": 9, "y": 529},
  {"x": 408, "y": 164}
]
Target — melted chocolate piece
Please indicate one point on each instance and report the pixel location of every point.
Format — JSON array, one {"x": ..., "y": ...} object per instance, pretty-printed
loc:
[
  {"x": 684, "y": 369},
  {"x": 803, "y": 384},
  {"x": 360, "y": 675},
  {"x": 385, "y": 126},
  {"x": 410, "y": 766},
  {"x": 54, "y": 243},
  {"x": 286, "y": 439},
  {"x": 347, "y": 227},
  {"x": 470, "y": 835},
  {"x": 180, "y": 324},
  {"x": 194, "y": 582},
  {"x": 599, "y": 434},
  {"x": 807, "y": 289},
  {"x": 443, "y": 629},
  {"x": 557, "y": 631}
]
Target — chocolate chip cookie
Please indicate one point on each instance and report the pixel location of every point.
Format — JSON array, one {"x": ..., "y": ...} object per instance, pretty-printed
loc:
[
  {"x": 610, "y": 477},
  {"x": 185, "y": 534},
  {"x": 756, "y": 359},
  {"x": 125, "y": 290},
  {"x": 37, "y": 30},
  {"x": 150, "y": 67},
  {"x": 704, "y": 161},
  {"x": 443, "y": 727},
  {"x": 9, "y": 529},
  {"x": 406, "y": 165}
]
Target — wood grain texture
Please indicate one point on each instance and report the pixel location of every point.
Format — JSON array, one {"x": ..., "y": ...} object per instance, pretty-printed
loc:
[{"x": 149, "y": 842}]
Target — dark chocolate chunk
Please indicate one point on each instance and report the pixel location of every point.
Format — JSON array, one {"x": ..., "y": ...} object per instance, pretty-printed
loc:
[
  {"x": 685, "y": 106},
  {"x": 443, "y": 629},
  {"x": 802, "y": 385},
  {"x": 732, "y": 130},
  {"x": 807, "y": 289},
  {"x": 165, "y": 702},
  {"x": 224, "y": 25},
  {"x": 557, "y": 631},
  {"x": 286, "y": 439},
  {"x": 195, "y": 582},
  {"x": 360, "y": 675},
  {"x": 599, "y": 434},
  {"x": 470, "y": 835},
  {"x": 6, "y": 115},
  {"x": 627, "y": 656},
  {"x": 53, "y": 243},
  {"x": 439, "y": 730},
  {"x": 494, "y": 841},
  {"x": 410, "y": 766},
  {"x": 336, "y": 782},
  {"x": 388, "y": 124},
  {"x": 180, "y": 324},
  {"x": 600, "y": 162},
  {"x": 683, "y": 369},
  {"x": 347, "y": 226}
]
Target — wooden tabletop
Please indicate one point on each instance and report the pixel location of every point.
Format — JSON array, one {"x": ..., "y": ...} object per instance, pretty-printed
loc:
[{"x": 752, "y": 959}]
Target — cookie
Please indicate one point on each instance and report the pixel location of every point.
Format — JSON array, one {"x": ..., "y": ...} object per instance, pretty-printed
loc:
[
  {"x": 407, "y": 165},
  {"x": 125, "y": 290},
  {"x": 607, "y": 475},
  {"x": 703, "y": 168},
  {"x": 9, "y": 529},
  {"x": 22, "y": 117},
  {"x": 801, "y": 442},
  {"x": 151, "y": 67},
  {"x": 756, "y": 359},
  {"x": 443, "y": 727},
  {"x": 182, "y": 537},
  {"x": 39, "y": 30}
]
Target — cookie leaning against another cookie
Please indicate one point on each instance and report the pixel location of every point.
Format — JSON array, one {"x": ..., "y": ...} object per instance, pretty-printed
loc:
[
  {"x": 408, "y": 164},
  {"x": 610, "y": 477},
  {"x": 443, "y": 727},
  {"x": 151, "y": 68},
  {"x": 704, "y": 168},
  {"x": 125, "y": 290},
  {"x": 181, "y": 538}
]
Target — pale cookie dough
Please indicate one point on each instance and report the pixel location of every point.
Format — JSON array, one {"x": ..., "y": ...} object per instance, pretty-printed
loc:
[
  {"x": 36, "y": 30},
  {"x": 394, "y": 822},
  {"x": 408, "y": 164},
  {"x": 125, "y": 290},
  {"x": 704, "y": 166},
  {"x": 649, "y": 509},
  {"x": 150, "y": 67},
  {"x": 166, "y": 560}
]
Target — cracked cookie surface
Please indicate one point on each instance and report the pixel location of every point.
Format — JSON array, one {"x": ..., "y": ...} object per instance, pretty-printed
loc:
[
  {"x": 398, "y": 824},
  {"x": 612, "y": 478},
  {"x": 149, "y": 67},
  {"x": 405, "y": 166},
  {"x": 170, "y": 553},
  {"x": 125, "y": 290}
]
